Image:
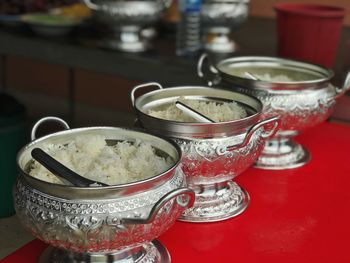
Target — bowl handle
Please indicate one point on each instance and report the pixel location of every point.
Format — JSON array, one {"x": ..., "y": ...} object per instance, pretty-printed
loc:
[
  {"x": 346, "y": 86},
  {"x": 150, "y": 84},
  {"x": 267, "y": 134},
  {"x": 47, "y": 119},
  {"x": 215, "y": 79},
  {"x": 177, "y": 193}
]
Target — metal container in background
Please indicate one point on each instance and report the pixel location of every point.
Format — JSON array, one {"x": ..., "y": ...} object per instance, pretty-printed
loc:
[
  {"x": 130, "y": 21},
  {"x": 219, "y": 19},
  {"x": 117, "y": 223},
  {"x": 12, "y": 138},
  {"x": 213, "y": 153},
  {"x": 300, "y": 93}
]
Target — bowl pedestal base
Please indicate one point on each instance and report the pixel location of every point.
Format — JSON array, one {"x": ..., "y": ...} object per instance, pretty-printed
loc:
[
  {"x": 282, "y": 153},
  {"x": 127, "y": 39},
  {"x": 216, "y": 202},
  {"x": 218, "y": 40},
  {"x": 150, "y": 252}
]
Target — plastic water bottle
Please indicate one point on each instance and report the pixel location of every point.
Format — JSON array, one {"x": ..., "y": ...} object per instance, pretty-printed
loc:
[{"x": 188, "y": 37}]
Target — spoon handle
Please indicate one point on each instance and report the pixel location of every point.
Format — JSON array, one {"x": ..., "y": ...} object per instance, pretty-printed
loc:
[
  {"x": 61, "y": 170},
  {"x": 193, "y": 113},
  {"x": 251, "y": 76}
]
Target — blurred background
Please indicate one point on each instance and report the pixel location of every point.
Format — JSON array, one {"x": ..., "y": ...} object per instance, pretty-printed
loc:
[
  {"x": 82, "y": 64},
  {"x": 79, "y": 60}
]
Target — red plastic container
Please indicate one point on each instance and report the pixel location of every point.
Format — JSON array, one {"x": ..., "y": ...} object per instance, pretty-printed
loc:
[{"x": 309, "y": 32}]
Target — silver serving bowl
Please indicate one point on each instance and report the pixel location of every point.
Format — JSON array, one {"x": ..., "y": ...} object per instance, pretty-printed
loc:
[
  {"x": 219, "y": 18},
  {"x": 102, "y": 224},
  {"x": 213, "y": 153},
  {"x": 305, "y": 100},
  {"x": 127, "y": 19}
]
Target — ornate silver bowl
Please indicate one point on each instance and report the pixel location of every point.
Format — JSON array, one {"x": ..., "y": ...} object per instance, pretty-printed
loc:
[
  {"x": 213, "y": 153},
  {"x": 127, "y": 20},
  {"x": 102, "y": 224},
  {"x": 303, "y": 98},
  {"x": 219, "y": 18}
]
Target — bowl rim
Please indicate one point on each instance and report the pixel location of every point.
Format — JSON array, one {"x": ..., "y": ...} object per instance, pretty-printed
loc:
[
  {"x": 127, "y": 187},
  {"x": 277, "y": 85},
  {"x": 196, "y": 126}
]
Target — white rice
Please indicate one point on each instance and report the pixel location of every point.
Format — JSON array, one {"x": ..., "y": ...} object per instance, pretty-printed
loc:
[
  {"x": 90, "y": 157},
  {"x": 218, "y": 112},
  {"x": 273, "y": 78}
]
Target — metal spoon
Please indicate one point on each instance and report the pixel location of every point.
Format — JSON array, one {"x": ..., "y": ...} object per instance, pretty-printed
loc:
[
  {"x": 251, "y": 76},
  {"x": 193, "y": 113},
  {"x": 60, "y": 170}
]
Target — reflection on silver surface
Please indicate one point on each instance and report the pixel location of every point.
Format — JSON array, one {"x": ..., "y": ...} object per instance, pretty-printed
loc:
[
  {"x": 219, "y": 19},
  {"x": 300, "y": 93},
  {"x": 153, "y": 252},
  {"x": 213, "y": 153},
  {"x": 102, "y": 224},
  {"x": 131, "y": 22}
]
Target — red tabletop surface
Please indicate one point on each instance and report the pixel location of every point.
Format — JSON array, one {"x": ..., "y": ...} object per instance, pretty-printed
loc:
[{"x": 299, "y": 215}]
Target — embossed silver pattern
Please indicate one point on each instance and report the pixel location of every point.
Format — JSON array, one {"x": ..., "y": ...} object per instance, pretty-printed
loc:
[
  {"x": 225, "y": 202},
  {"x": 92, "y": 222},
  {"x": 202, "y": 164},
  {"x": 155, "y": 252},
  {"x": 223, "y": 13},
  {"x": 213, "y": 153},
  {"x": 128, "y": 13},
  {"x": 210, "y": 175},
  {"x": 301, "y": 104},
  {"x": 300, "y": 110},
  {"x": 94, "y": 225}
]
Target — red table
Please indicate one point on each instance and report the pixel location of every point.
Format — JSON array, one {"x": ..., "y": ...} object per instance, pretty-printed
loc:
[{"x": 300, "y": 215}]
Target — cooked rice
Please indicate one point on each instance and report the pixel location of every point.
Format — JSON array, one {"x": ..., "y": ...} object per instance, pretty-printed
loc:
[
  {"x": 90, "y": 157},
  {"x": 273, "y": 78},
  {"x": 218, "y": 112}
]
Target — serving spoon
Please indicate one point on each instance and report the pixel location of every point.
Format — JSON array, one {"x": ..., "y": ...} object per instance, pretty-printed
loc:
[
  {"x": 61, "y": 170},
  {"x": 251, "y": 76},
  {"x": 193, "y": 113}
]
